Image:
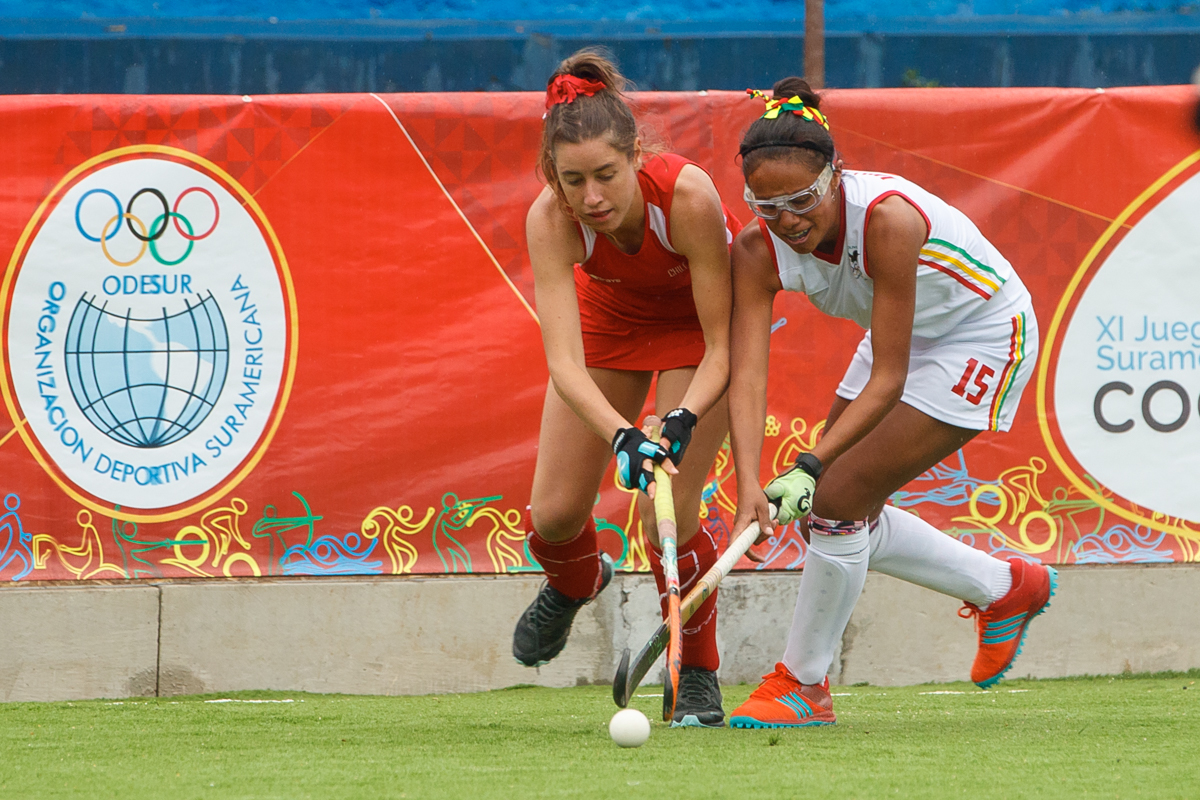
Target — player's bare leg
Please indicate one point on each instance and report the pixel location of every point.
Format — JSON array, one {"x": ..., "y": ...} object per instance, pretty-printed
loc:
[
  {"x": 908, "y": 548},
  {"x": 851, "y": 491},
  {"x": 699, "y": 700},
  {"x": 907, "y": 443},
  {"x": 572, "y": 459},
  {"x": 1003, "y": 596},
  {"x": 571, "y": 462}
]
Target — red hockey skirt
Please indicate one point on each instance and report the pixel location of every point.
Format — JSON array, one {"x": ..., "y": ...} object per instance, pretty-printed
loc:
[{"x": 623, "y": 330}]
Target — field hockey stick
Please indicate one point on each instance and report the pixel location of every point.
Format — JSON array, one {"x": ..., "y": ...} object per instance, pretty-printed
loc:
[
  {"x": 664, "y": 511},
  {"x": 630, "y": 674}
]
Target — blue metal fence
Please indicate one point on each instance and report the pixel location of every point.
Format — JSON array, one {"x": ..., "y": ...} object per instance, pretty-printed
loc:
[{"x": 158, "y": 55}]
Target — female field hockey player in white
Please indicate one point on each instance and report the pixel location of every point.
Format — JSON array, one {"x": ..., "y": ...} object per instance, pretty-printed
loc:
[
  {"x": 950, "y": 342},
  {"x": 630, "y": 255}
]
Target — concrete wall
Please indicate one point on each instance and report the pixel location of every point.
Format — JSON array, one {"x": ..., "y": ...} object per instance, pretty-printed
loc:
[
  {"x": 75, "y": 643},
  {"x": 418, "y": 635}
]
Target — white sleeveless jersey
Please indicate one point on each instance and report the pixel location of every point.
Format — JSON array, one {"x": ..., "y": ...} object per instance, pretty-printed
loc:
[{"x": 958, "y": 270}]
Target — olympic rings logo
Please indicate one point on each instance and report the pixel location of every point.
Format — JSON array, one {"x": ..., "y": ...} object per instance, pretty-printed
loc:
[{"x": 149, "y": 237}]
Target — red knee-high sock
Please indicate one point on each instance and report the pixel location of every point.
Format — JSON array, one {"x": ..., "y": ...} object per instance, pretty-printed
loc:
[
  {"x": 700, "y": 632},
  {"x": 572, "y": 567}
]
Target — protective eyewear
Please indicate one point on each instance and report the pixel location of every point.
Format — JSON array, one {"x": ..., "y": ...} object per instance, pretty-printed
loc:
[{"x": 801, "y": 202}]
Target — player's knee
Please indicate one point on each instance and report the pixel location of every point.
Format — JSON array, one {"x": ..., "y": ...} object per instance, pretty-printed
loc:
[
  {"x": 687, "y": 525},
  {"x": 558, "y": 522},
  {"x": 845, "y": 493}
]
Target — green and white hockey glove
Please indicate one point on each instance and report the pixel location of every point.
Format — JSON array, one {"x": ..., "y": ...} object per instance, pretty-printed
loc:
[{"x": 793, "y": 491}]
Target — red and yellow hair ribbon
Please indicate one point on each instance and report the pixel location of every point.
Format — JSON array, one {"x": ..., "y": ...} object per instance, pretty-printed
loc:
[{"x": 793, "y": 104}]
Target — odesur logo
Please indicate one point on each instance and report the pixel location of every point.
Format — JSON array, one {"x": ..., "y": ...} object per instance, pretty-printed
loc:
[{"x": 149, "y": 332}]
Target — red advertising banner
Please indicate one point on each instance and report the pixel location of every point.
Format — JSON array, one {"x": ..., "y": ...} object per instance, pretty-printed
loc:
[{"x": 296, "y": 336}]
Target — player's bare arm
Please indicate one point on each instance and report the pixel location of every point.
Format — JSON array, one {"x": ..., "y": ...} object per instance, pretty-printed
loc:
[
  {"x": 755, "y": 284},
  {"x": 893, "y": 242},
  {"x": 699, "y": 234},
  {"x": 554, "y": 249}
]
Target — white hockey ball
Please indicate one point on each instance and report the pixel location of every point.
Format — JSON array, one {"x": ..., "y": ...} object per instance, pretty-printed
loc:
[{"x": 629, "y": 728}]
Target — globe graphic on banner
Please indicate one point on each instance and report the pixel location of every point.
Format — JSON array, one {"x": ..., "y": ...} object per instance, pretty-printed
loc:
[{"x": 147, "y": 383}]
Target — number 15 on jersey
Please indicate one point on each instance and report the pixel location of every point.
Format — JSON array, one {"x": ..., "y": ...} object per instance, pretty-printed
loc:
[{"x": 982, "y": 373}]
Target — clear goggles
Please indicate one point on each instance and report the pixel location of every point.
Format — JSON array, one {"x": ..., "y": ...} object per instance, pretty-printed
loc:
[{"x": 801, "y": 202}]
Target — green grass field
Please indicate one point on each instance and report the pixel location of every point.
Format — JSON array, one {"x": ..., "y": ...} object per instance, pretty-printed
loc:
[{"x": 1134, "y": 736}]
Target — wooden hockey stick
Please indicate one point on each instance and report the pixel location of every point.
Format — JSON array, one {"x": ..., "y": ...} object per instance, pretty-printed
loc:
[
  {"x": 631, "y": 672},
  {"x": 664, "y": 511}
]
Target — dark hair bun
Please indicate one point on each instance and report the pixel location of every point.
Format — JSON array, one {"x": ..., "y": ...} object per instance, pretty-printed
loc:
[
  {"x": 788, "y": 136},
  {"x": 791, "y": 87}
]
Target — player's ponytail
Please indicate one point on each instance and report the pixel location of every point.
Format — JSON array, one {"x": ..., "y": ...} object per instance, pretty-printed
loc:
[
  {"x": 584, "y": 101},
  {"x": 788, "y": 129}
]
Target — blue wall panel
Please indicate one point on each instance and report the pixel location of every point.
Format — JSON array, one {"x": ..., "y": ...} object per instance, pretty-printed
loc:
[{"x": 258, "y": 57}]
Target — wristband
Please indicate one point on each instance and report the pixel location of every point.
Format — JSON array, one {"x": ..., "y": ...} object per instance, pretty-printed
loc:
[
  {"x": 810, "y": 464},
  {"x": 677, "y": 429}
]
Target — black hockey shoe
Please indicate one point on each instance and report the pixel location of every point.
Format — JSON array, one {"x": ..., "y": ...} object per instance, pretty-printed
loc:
[
  {"x": 699, "y": 703},
  {"x": 542, "y": 630}
]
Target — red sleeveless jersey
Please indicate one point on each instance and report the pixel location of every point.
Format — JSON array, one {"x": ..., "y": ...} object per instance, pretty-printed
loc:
[{"x": 636, "y": 310}]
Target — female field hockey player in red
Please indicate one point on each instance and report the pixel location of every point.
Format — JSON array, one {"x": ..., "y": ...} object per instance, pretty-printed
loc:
[
  {"x": 950, "y": 342},
  {"x": 630, "y": 255}
]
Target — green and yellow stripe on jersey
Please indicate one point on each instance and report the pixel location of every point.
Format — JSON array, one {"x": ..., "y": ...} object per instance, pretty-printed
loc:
[
  {"x": 962, "y": 266},
  {"x": 1008, "y": 376}
]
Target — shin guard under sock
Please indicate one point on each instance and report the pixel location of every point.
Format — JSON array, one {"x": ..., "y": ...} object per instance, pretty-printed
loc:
[
  {"x": 907, "y": 547},
  {"x": 700, "y": 632},
  {"x": 834, "y": 572},
  {"x": 572, "y": 567}
]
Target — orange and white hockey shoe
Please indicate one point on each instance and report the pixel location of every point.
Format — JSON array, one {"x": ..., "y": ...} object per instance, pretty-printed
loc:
[
  {"x": 781, "y": 701},
  {"x": 1002, "y": 625}
]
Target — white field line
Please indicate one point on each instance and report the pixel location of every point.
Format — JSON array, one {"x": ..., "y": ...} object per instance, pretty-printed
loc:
[
  {"x": 984, "y": 691},
  {"x": 231, "y": 700},
  {"x": 176, "y": 702}
]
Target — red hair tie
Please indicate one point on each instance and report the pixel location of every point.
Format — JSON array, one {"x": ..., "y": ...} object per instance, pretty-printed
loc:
[{"x": 565, "y": 88}]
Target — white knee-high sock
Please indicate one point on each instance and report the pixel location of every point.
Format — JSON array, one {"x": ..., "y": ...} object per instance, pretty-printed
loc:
[
  {"x": 907, "y": 547},
  {"x": 834, "y": 572}
]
